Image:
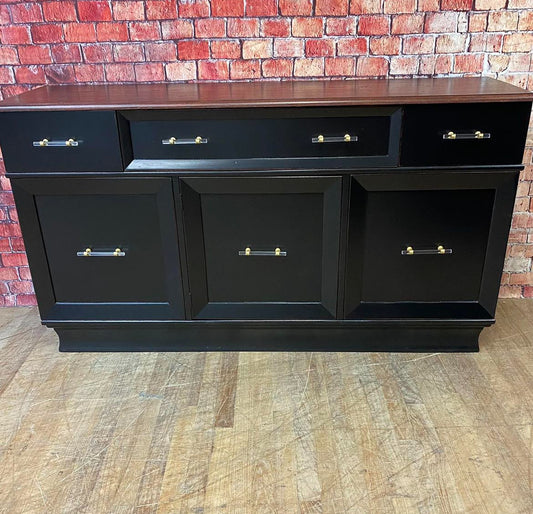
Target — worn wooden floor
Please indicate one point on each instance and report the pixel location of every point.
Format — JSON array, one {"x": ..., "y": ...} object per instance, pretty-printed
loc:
[{"x": 266, "y": 432}]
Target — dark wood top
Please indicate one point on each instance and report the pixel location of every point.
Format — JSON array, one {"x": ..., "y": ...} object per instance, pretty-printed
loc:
[{"x": 266, "y": 94}]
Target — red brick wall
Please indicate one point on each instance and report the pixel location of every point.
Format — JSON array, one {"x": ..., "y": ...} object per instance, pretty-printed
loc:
[{"x": 84, "y": 41}]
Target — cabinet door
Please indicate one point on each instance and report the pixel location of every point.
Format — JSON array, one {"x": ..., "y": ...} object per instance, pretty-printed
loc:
[
  {"x": 262, "y": 248},
  {"x": 102, "y": 248},
  {"x": 427, "y": 245}
]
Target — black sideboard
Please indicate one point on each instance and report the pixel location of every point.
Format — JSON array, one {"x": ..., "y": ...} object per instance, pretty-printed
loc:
[{"x": 323, "y": 215}]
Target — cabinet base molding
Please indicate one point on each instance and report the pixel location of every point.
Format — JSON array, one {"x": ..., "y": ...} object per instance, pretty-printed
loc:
[{"x": 185, "y": 338}]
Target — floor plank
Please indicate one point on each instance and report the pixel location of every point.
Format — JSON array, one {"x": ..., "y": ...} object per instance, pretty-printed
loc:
[{"x": 266, "y": 432}]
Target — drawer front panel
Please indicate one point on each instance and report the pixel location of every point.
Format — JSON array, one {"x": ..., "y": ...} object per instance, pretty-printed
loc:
[
  {"x": 419, "y": 244},
  {"x": 110, "y": 246},
  {"x": 60, "y": 141},
  {"x": 463, "y": 134},
  {"x": 267, "y": 247},
  {"x": 267, "y": 134}
]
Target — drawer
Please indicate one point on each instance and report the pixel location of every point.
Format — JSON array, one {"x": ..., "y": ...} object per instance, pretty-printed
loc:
[
  {"x": 60, "y": 141},
  {"x": 419, "y": 244},
  {"x": 107, "y": 248},
  {"x": 263, "y": 248},
  {"x": 264, "y": 137},
  {"x": 464, "y": 134}
]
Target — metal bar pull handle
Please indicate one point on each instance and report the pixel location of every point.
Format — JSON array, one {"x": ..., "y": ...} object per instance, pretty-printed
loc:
[
  {"x": 347, "y": 138},
  {"x": 466, "y": 135},
  {"x": 46, "y": 142},
  {"x": 88, "y": 252},
  {"x": 277, "y": 252},
  {"x": 439, "y": 250},
  {"x": 198, "y": 140}
]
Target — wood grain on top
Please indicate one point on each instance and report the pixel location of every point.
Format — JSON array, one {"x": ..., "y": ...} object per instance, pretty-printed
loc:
[{"x": 266, "y": 94}]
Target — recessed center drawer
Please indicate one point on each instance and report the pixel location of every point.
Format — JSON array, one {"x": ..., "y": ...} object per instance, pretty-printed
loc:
[
  {"x": 60, "y": 141},
  {"x": 368, "y": 136}
]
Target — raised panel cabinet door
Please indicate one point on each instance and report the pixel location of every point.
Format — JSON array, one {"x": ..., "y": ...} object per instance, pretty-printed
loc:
[
  {"x": 427, "y": 245},
  {"x": 102, "y": 249},
  {"x": 262, "y": 248}
]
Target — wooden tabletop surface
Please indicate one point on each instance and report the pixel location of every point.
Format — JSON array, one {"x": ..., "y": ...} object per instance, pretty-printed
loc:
[{"x": 266, "y": 94}]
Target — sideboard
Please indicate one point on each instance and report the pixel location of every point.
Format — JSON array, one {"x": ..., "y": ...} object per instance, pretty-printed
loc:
[{"x": 315, "y": 215}]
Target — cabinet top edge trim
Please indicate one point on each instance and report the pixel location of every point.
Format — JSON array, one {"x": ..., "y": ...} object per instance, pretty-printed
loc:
[{"x": 266, "y": 94}]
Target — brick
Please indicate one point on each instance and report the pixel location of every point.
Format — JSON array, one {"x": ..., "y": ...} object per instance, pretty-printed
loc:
[
  {"x": 288, "y": 47},
  {"x": 130, "y": 52},
  {"x": 277, "y": 68},
  {"x": 403, "y": 65},
  {"x": 161, "y": 9},
  {"x": 498, "y": 62},
  {"x": 373, "y": 25},
  {"x": 15, "y": 35},
  {"x": 451, "y": 43},
  {"x": 528, "y": 292},
  {"x": 47, "y": 33},
  {"x": 111, "y": 32},
  {"x": 441, "y": 22},
  {"x": 399, "y": 6},
  {"x": 517, "y": 264},
  {"x": 161, "y": 51},
  {"x": 243, "y": 27},
  {"x": 227, "y": 7},
  {"x": 339, "y": 66},
  {"x": 98, "y": 53},
  {"x": 418, "y": 45},
  {"x": 35, "y": 54},
  {"x": 149, "y": 72},
  {"x": 177, "y": 71},
  {"x": 26, "y": 300},
  {"x": 487, "y": 5},
  {"x": 6, "y": 76},
  {"x": 144, "y": 31},
  {"x": 12, "y": 90},
  {"x": 308, "y": 67},
  {"x": 14, "y": 259},
  {"x": 250, "y": 69},
  {"x": 24, "y": 273},
  {"x": 188, "y": 50},
  {"x": 468, "y": 63},
  {"x": 365, "y": 7},
  {"x": 501, "y": 21},
  {"x": 210, "y": 28},
  {"x": 128, "y": 10},
  {"x": 352, "y": 46},
  {"x": 428, "y": 5},
  {"x": 5, "y": 18},
  {"x": 8, "y": 273},
  {"x": 477, "y": 22},
  {"x": 456, "y": 5},
  {"x": 307, "y": 27},
  {"x": 319, "y": 47},
  {"x": 257, "y": 48},
  {"x": 80, "y": 32},
  {"x": 407, "y": 24},
  {"x": 6, "y": 198},
  {"x": 525, "y": 21},
  {"x": 5, "y": 183},
  {"x": 261, "y": 7},
  {"x": 94, "y": 11},
  {"x": 332, "y": 7},
  {"x": 21, "y": 287},
  {"x": 519, "y": 42},
  {"x": 340, "y": 26},
  {"x": 485, "y": 42},
  {"x": 519, "y": 62},
  {"x": 372, "y": 67},
  {"x": 213, "y": 70},
  {"x": 89, "y": 72},
  {"x": 510, "y": 292},
  {"x": 26, "y": 13},
  {"x": 119, "y": 73},
  {"x": 226, "y": 49},
  {"x": 59, "y": 11},
  {"x": 387, "y": 45},
  {"x": 519, "y": 4},
  {"x": 275, "y": 27},
  {"x": 177, "y": 29},
  {"x": 296, "y": 7},
  {"x": 193, "y": 8}
]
